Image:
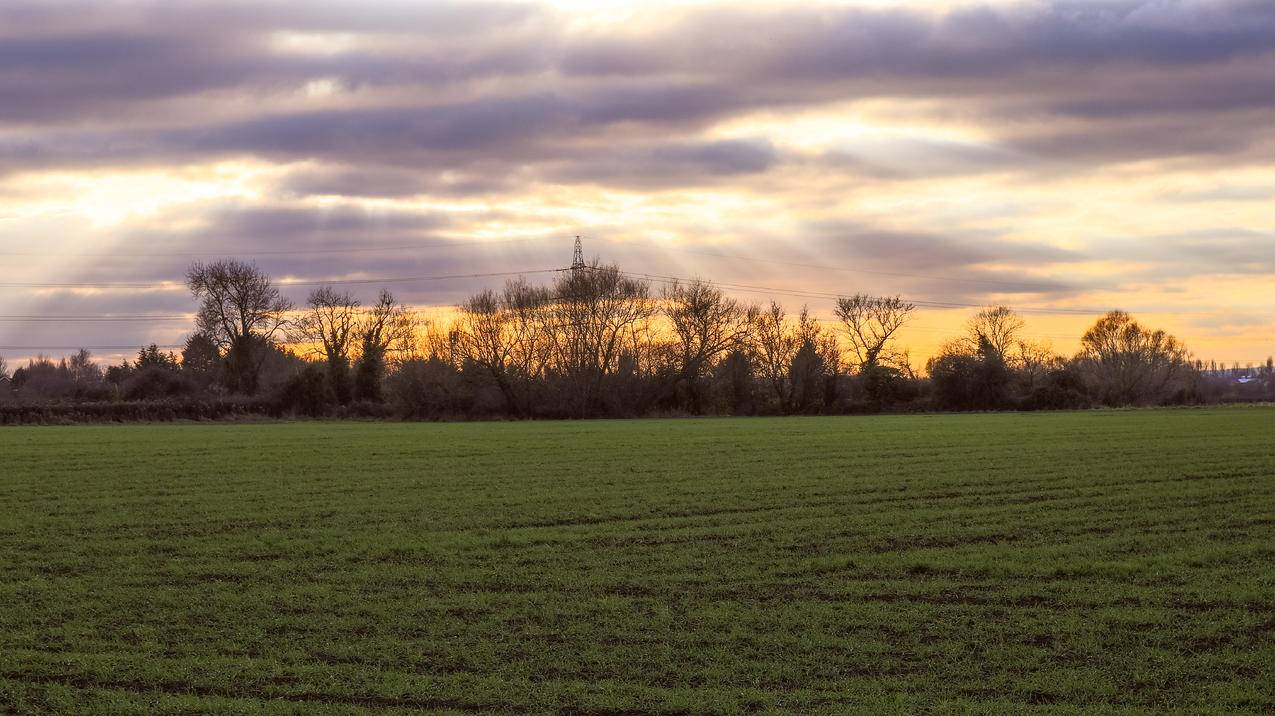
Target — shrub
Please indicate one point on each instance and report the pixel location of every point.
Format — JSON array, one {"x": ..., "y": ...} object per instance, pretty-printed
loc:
[
  {"x": 64, "y": 413},
  {"x": 305, "y": 393},
  {"x": 153, "y": 383},
  {"x": 1064, "y": 389},
  {"x": 427, "y": 389}
]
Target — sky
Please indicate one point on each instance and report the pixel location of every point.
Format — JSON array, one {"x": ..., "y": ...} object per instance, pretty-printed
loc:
[{"x": 1064, "y": 158}]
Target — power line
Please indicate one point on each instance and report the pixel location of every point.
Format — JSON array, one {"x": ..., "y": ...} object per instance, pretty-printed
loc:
[
  {"x": 283, "y": 283},
  {"x": 415, "y": 279},
  {"x": 91, "y": 319},
  {"x": 948, "y": 332},
  {"x": 282, "y": 252},
  {"x": 171, "y": 285},
  {"x": 825, "y": 267},
  {"x": 165, "y": 285},
  {"x": 669, "y": 280},
  {"x": 88, "y": 348},
  {"x": 664, "y": 279}
]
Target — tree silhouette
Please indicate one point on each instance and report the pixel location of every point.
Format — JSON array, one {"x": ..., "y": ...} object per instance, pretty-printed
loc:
[{"x": 242, "y": 311}]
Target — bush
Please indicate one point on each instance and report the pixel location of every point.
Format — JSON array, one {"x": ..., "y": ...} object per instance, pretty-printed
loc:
[
  {"x": 427, "y": 390},
  {"x": 365, "y": 410},
  {"x": 66, "y": 413},
  {"x": 883, "y": 387},
  {"x": 971, "y": 381},
  {"x": 153, "y": 383},
  {"x": 306, "y": 393},
  {"x": 367, "y": 373},
  {"x": 1063, "y": 390}
]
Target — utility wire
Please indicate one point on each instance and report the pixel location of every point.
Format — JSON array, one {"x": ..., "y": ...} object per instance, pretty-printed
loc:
[
  {"x": 416, "y": 279},
  {"x": 90, "y": 348},
  {"x": 669, "y": 280},
  {"x": 824, "y": 267},
  {"x": 458, "y": 244},
  {"x": 90, "y": 319},
  {"x": 657, "y": 278},
  {"x": 766, "y": 290},
  {"x": 173, "y": 285}
]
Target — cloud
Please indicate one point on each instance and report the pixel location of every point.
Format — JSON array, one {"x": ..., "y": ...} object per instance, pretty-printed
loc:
[
  {"x": 1225, "y": 193},
  {"x": 353, "y": 181},
  {"x": 88, "y": 83},
  {"x": 912, "y": 157},
  {"x": 939, "y": 153},
  {"x": 904, "y": 249},
  {"x": 670, "y": 165},
  {"x": 1221, "y": 251}
]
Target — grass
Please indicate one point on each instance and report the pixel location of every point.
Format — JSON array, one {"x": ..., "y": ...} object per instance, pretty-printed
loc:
[{"x": 1110, "y": 562}]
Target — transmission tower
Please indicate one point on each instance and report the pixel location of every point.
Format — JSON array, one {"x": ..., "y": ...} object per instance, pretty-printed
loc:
[{"x": 577, "y": 259}]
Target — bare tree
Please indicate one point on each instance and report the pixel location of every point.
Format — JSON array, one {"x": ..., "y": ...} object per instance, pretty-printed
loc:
[
  {"x": 329, "y": 329},
  {"x": 526, "y": 309},
  {"x": 706, "y": 326},
  {"x": 81, "y": 368},
  {"x": 1129, "y": 363},
  {"x": 597, "y": 313},
  {"x": 798, "y": 360},
  {"x": 442, "y": 343},
  {"x": 870, "y": 323},
  {"x": 484, "y": 336},
  {"x": 999, "y": 325},
  {"x": 389, "y": 326},
  {"x": 386, "y": 330},
  {"x": 824, "y": 341},
  {"x": 775, "y": 346},
  {"x": 1032, "y": 361},
  {"x": 507, "y": 334},
  {"x": 4, "y": 368},
  {"x": 329, "y": 324},
  {"x": 242, "y": 311}
]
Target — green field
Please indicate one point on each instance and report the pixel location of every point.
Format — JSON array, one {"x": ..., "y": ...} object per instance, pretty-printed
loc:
[{"x": 1112, "y": 562}]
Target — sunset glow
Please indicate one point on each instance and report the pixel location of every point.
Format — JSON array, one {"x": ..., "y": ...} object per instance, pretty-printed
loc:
[{"x": 1044, "y": 155}]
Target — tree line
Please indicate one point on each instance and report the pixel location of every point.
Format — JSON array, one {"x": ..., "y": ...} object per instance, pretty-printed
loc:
[{"x": 597, "y": 342}]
